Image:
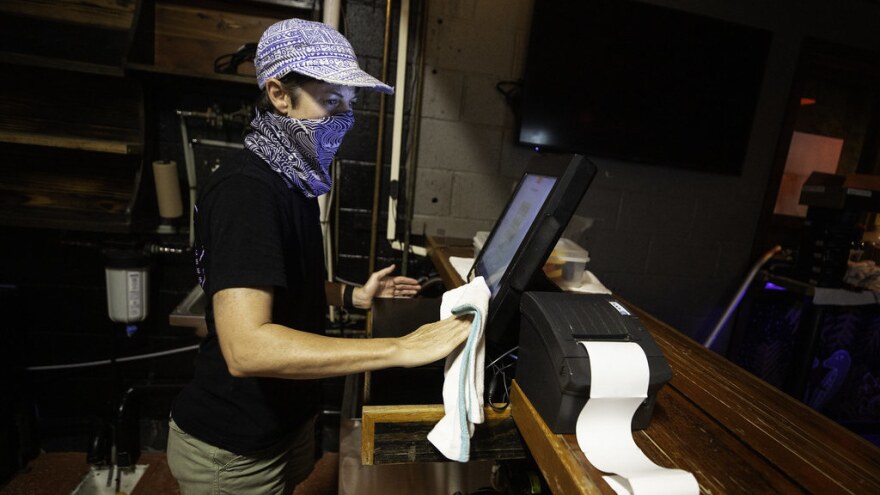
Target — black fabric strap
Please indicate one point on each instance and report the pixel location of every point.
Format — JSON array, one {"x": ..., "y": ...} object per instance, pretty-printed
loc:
[{"x": 347, "y": 297}]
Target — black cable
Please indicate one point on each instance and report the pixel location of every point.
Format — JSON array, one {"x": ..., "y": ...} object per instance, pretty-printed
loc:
[
  {"x": 499, "y": 380},
  {"x": 511, "y": 91},
  {"x": 228, "y": 63}
]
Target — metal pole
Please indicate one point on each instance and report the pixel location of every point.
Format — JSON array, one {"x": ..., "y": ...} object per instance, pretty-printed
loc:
[{"x": 377, "y": 177}]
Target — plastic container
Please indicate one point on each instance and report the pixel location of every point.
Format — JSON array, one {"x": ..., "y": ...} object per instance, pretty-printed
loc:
[
  {"x": 479, "y": 241},
  {"x": 567, "y": 261},
  {"x": 127, "y": 276}
]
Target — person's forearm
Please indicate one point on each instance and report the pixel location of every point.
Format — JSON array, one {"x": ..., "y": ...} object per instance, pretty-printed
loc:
[
  {"x": 277, "y": 351},
  {"x": 254, "y": 346}
]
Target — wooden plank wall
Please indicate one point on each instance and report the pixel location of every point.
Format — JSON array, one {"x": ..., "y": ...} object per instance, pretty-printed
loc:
[
  {"x": 109, "y": 14},
  {"x": 191, "y": 38}
]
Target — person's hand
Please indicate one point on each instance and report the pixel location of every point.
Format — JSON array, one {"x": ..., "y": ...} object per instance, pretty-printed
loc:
[
  {"x": 382, "y": 284},
  {"x": 434, "y": 341}
]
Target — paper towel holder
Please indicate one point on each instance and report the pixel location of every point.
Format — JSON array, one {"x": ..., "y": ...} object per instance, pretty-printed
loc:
[{"x": 167, "y": 196}]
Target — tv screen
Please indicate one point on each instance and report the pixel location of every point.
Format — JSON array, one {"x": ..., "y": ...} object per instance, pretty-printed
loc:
[
  {"x": 525, "y": 234},
  {"x": 639, "y": 82}
]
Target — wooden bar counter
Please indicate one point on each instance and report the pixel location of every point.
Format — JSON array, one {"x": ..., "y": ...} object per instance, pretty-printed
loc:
[{"x": 734, "y": 432}]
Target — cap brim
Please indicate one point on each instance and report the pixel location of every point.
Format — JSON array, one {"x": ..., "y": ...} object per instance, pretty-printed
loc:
[{"x": 352, "y": 76}]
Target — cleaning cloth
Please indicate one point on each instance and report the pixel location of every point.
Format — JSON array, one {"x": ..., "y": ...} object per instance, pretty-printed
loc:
[{"x": 463, "y": 382}]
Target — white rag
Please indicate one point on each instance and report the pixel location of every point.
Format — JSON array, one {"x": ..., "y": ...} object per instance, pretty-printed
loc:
[{"x": 463, "y": 383}]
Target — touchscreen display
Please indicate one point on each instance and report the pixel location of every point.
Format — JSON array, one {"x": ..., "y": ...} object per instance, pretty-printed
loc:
[{"x": 512, "y": 228}]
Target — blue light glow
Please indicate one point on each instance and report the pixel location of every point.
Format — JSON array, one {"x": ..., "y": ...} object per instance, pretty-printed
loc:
[{"x": 772, "y": 286}]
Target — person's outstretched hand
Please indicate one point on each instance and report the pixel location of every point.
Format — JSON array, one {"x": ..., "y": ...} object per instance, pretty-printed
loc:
[
  {"x": 382, "y": 284},
  {"x": 434, "y": 341}
]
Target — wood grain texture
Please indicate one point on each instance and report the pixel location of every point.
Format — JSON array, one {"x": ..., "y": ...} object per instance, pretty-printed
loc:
[
  {"x": 734, "y": 432},
  {"x": 70, "y": 146},
  {"x": 71, "y": 142},
  {"x": 74, "y": 109},
  {"x": 818, "y": 454},
  {"x": 112, "y": 14},
  {"x": 440, "y": 249},
  {"x": 398, "y": 434},
  {"x": 191, "y": 38},
  {"x": 564, "y": 471},
  {"x": 227, "y": 78}
]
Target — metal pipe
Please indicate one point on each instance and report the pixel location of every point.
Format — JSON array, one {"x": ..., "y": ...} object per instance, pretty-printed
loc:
[
  {"x": 331, "y": 13},
  {"x": 217, "y": 143},
  {"x": 415, "y": 126},
  {"x": 331, "y": 18},
  {"x": 103, "y": 362},
  {"x": 739, "y": 295},
  {"x": 397, "y": 129},
  {"x": 377, "y": 176},
  {"x": 190, "y": 163}
]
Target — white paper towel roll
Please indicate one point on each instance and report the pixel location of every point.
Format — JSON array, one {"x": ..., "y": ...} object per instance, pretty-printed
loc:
[
  {"x": 167, "y": 189},
  {"x": 618, "y": 385}
]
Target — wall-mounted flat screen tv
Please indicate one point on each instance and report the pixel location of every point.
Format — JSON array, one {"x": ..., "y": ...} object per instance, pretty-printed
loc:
[{"x": 643, "y": 83}]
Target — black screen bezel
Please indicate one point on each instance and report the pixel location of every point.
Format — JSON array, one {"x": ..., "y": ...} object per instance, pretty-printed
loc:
[{"x": 525, "y": 271}]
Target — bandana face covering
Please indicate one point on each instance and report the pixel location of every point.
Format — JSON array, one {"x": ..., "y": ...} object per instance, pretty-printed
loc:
[{"x": 299, "y": 150}]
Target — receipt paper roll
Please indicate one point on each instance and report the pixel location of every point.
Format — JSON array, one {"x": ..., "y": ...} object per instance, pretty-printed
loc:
[
  {"x": 167, "y": 189},
  {"x": 619, "y": 376}
]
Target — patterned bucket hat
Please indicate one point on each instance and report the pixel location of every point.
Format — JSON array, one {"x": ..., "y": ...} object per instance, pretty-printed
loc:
[{"x": 313, "y": 49}]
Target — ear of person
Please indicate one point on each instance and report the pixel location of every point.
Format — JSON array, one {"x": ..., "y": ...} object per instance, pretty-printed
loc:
[{"x": 277, "y": 95}]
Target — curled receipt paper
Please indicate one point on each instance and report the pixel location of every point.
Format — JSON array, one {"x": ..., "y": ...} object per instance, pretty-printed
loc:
[{"x": 618, "y": 385}]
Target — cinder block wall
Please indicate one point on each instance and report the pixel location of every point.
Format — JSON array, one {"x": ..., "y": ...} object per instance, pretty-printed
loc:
[
  {"x": 467, "y": 159},
  {"x": 674, "y": 242}
]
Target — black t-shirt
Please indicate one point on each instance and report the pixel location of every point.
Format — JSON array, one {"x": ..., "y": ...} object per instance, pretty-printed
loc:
[{"x": 252, "y": 231}]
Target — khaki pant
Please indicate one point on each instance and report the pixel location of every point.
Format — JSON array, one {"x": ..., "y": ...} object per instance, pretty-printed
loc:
[{"x": 202, "y": 469}]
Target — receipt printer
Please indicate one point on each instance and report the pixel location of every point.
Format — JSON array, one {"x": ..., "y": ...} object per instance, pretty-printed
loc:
[{"x": 553, "y": 369}]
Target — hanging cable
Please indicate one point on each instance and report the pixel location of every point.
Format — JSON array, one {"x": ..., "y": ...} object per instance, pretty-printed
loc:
[{"x": 414, "y": 128}]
